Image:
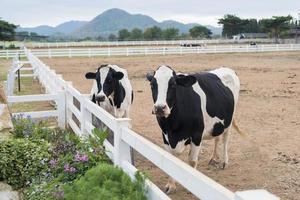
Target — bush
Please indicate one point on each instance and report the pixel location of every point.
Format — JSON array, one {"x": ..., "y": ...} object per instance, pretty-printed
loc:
[
  {"x": 69, "y": 158},
  {"x": 21, "y": 160},
  {"x": 104, "y": 182}
]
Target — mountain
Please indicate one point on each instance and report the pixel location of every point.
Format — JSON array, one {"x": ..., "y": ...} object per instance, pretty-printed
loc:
[
  {"x": 69, "y": 26},
  {"x": 215, "y": 30},
  {"x": 183, "y": 28},
  {"x": 41, "y": 30},
  {"x": 111, "y": 21},
  {"x": 65, "y": 28}
]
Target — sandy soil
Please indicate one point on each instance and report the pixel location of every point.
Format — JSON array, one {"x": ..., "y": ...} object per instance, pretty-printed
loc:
[{"x": 268, "y": 111}]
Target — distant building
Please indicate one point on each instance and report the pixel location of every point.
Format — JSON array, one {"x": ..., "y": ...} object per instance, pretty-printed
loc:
[
  {"x": 250, "y": 36},
  {"x": 255, "y": 35}
]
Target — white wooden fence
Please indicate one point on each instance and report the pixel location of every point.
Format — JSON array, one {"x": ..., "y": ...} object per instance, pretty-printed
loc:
[
  {"x": 133, "y": 43},
  {"x": 124, "y": 138},
  {"x": 132, "y": 51}
]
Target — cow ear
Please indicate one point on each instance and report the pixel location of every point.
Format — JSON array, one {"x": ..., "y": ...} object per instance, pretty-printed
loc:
[
  {"x": 149, "y": 76},
  {"x": 118, "y": 75},
  {"x": 90, "y": 75},
  {"x": 185, "y": 81}
]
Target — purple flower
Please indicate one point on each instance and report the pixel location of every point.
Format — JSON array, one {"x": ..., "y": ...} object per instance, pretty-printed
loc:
[
  {"x": 84, "y": 158},
  {"x": 72, "y": 170},
  {"x": 68, "y": 168},
  {"x": 81, "y": 157},
  {"x": 53, "y": 163}
]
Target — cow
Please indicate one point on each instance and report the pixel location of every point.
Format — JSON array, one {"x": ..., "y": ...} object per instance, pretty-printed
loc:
[
  {"x": 192, "y": 108},
  {"x": 112, "y": 90}
]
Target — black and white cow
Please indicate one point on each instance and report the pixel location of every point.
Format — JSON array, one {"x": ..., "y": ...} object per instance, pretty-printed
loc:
[
  {"x": 112, "y": 90},
  {"x": 192, "y": 108}
]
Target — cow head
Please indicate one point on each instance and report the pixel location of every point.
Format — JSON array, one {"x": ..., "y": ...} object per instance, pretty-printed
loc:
[
  {"x": 164, "y": 82},
  {"x": 106, "y": 79}
]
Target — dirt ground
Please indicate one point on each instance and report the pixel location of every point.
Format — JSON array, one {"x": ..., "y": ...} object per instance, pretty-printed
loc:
[{"x": 268, "y": 112}]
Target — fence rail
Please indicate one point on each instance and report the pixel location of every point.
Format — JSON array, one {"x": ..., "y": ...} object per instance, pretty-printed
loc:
[
  {"x": 135, "y": 43},
  {"x": 132, "y": 51},
  {"x": 124, "y": 138}
]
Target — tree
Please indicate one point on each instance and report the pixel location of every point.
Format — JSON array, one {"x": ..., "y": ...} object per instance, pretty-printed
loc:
[
  {"x": 232, "y": 25},
  {"x": 7, "y": 30},
  {"x": 170, "y": 33},
  {"x": 276, "y": 25},
  {"x": 136, "y": 34},
  {"x": 200, "y": 32},
  {"x": 112, "y": 37},
  {"x": 250, "y": 26},
  {"x": 153, "y": 33},
  {"x": 123, "y": 34}
]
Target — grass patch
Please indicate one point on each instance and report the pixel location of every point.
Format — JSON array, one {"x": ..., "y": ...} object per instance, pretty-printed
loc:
[
  {"x": 5, "y": 65},
  {"x": 28, "y": 86}
]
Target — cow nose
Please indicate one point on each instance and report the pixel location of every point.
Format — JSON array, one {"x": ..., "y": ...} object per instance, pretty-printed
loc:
[
  {"x": 100, "y": 98},
  {"x": 159, "y": 109}
]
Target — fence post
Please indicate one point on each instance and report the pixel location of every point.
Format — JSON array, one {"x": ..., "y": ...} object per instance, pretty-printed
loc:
[
  {"x": 127, "y": 52},
  {"x": 69, "y": 98},
  {"x": 121, "y": 149},
  {"x": 85, "y": 116},
  {"x": 255, "y": 194},
  {"x": 49, "y": 52},
  {"x": 70, "y": 53},
  {"x": 6, "y": 53},
  {"x": 61, "y": 108}
]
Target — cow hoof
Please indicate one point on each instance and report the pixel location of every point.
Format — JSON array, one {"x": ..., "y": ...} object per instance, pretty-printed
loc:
[
  {"x": 170, "y": 188},
  {"x": 224, "y": 165},
  {"x": 213, "y": 162}
]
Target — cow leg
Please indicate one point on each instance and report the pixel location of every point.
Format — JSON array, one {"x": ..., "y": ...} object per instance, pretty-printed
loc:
[
  {"x": 126, "y": 114},
  {"x": 193, "y": 155},
  {"x": 215, "y": 156},
  {"x": 225, "y": 148},
  {"x": 171, "y": 184}
]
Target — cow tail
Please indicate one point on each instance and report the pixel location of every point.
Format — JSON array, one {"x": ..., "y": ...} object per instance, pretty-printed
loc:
[{"x": 236, "y": 127}]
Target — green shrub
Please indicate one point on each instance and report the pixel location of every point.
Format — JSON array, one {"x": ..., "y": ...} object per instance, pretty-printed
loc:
[
  {"x": 104, "y": 182},
  {"x": 22, "y": 160},
  {"x": 70, "y": 159}
]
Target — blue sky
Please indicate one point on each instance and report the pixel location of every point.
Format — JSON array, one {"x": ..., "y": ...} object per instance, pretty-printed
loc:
[{"x": 53, "y": 12}]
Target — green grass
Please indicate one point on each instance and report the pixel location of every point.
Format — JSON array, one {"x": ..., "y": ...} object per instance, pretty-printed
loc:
[
  {"x": 28, "y": 86},
  {"x": 5, "y": 64}
]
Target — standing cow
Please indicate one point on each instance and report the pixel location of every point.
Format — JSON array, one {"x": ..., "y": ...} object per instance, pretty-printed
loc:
[
  {"x": 192, "y": 108},
  {"x": 112, "y": 90}
]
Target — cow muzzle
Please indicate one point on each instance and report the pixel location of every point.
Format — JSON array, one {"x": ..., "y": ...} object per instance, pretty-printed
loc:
[
  {"x": 161, "y": 110},
  {"x": 100, "y": 98}
]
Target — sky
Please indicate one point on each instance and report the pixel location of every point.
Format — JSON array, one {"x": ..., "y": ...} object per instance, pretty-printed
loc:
[{"x": 29, "y": 13}]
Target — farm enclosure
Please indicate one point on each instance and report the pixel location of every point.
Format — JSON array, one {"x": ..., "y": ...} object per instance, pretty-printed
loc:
[{"x": 268, "y": 111}]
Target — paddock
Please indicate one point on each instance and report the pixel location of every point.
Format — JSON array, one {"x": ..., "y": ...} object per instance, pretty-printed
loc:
[{"x": 268, "y": 112}]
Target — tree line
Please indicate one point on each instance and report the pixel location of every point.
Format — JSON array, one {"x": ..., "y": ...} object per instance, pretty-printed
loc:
[
  {"x": 156, "y": 33},
  {"x": 276, "y": 26}
]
